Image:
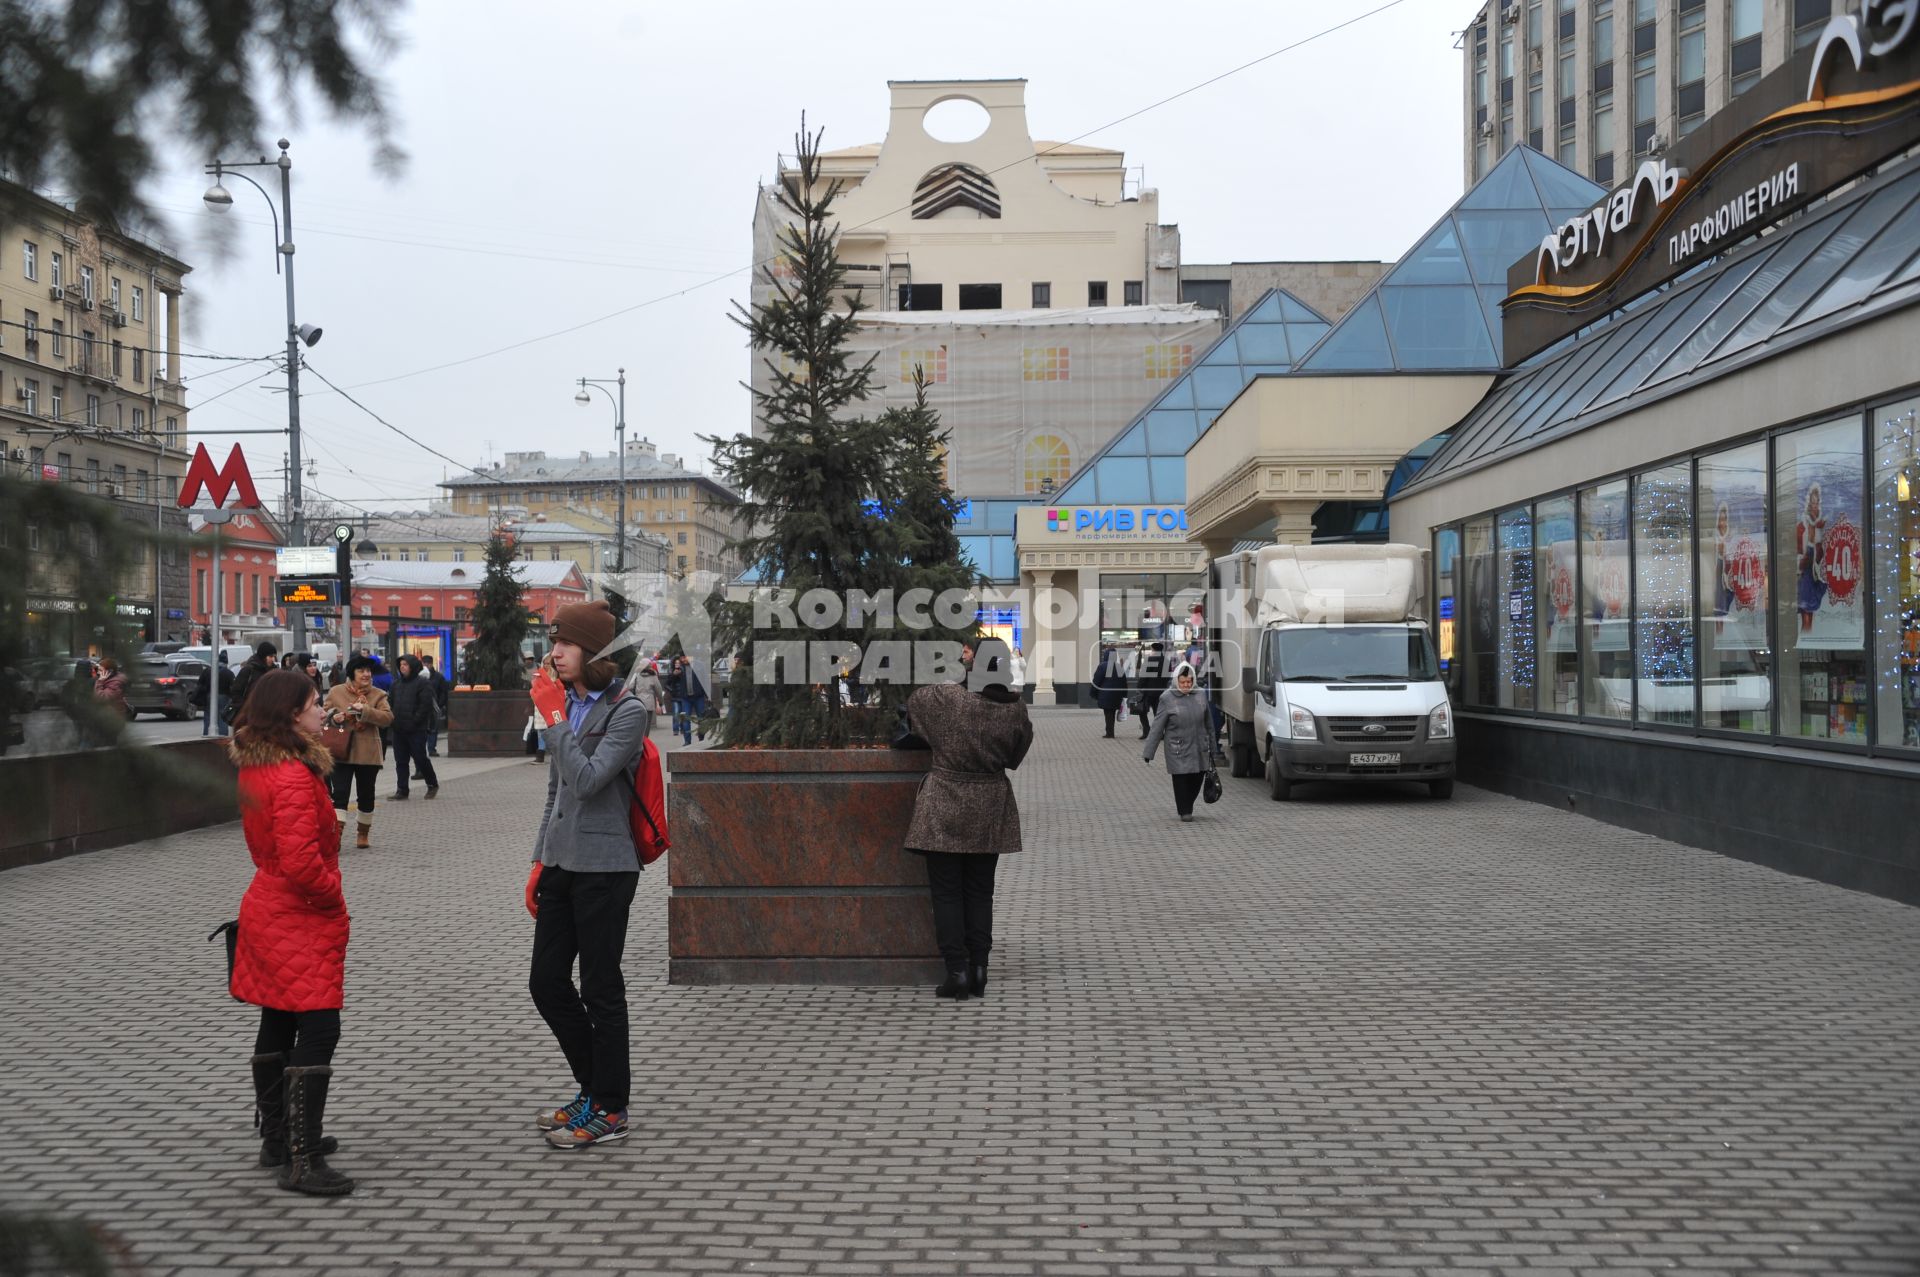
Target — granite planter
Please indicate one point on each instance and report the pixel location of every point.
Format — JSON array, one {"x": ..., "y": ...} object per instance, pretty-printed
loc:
[
  {"x": 486, "y": 724},
  {"x": 789, "y": 867}
]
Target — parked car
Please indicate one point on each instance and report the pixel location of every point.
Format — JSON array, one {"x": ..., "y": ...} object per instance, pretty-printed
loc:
[
  {"x": 158, "y": 684},
  {"x": 50, "y": 677}
]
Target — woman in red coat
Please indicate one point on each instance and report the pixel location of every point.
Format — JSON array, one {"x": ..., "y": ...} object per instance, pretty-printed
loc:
[{"x": 290, "y": 956}]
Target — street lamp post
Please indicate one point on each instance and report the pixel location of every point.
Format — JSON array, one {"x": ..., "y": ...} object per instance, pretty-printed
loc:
[
  {"x": 218, "y": 199},
  {"x": 620, "y": 434}
]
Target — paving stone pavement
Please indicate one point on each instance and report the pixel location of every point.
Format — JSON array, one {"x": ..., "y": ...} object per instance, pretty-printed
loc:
[{"x": 1359, "y": 1033}]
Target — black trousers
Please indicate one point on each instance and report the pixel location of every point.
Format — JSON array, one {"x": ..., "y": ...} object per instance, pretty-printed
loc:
[
  {"x": 307, "y": 1037},
  {"x": 354, "y": 776},
  {"x": 962, "y": 906},
  {"x": 1109, "y": 713},
  {"x": 412, "y": 747},
  {"x": 1186, "y": 788},
  {"x": 584, "y": 916}
]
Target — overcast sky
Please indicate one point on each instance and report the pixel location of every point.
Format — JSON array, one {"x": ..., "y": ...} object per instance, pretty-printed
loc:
[{"x": 571, "y": 161}]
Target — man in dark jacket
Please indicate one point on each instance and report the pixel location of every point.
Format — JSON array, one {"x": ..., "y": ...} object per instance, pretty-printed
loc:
[
  {"x": 412, "y": 703},
  {"x": 200, "y": 693},
  {"x": 261, "y": 662},
  {"x": 1110, "y": 685},
  {"x": 440, "y": 689}
]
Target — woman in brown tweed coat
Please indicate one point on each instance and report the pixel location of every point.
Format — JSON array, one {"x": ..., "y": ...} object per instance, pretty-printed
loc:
[{"x": 966, "y": 817}]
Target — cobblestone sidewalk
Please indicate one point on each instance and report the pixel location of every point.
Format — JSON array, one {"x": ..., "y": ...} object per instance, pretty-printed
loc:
[{"x": 1357, "y": 1033}]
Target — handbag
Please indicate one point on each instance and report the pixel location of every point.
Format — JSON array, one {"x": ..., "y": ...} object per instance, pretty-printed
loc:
[
  {"x": 1210, "y": 787},
  {"x": 232, "y": 931},
  {"x": 338, "y": 738}
]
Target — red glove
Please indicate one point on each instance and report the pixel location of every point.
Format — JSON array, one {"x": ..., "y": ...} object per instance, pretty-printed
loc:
[
  {"x": 549, "y": 699},
  {"x": 533, "y": 887}
]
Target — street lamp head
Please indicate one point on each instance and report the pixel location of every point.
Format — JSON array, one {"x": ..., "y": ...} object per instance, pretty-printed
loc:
[
  {"x": 217, "y": 198},
  {"x": 310, "y": 333},
  {"x": 583, "y": 398}
]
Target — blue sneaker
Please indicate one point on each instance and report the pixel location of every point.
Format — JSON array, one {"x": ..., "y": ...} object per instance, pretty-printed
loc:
[
  {"x": 592, "y": 1126},
  {"x": 554, "y": 1119}
]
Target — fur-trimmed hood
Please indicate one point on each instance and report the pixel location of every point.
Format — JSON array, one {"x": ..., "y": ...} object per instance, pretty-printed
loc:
[{"x": 258, "y": 753}]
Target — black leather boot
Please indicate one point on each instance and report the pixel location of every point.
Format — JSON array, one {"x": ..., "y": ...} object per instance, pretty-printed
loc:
[
  {"x": 270, "y": 1109},
  {"x": 306, "y": 1170},
  {"x": 954, "y": 987},
  {"x": 977, "y": 979}
]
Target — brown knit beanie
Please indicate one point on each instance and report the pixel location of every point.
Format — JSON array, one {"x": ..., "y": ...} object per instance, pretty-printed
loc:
[{"x": 588, "y": 625}]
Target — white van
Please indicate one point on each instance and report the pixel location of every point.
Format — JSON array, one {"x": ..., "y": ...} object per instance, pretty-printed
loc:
[{"x": 1329, "y": 668}]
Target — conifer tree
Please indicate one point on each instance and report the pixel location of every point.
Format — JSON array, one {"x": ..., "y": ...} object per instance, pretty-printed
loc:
[
  {"x": 499, "y": 621},
  {"x": 832, "y": 498}
]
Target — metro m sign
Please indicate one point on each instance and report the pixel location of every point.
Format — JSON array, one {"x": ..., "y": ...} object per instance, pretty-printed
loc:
[{"x": 218, "y": 483}]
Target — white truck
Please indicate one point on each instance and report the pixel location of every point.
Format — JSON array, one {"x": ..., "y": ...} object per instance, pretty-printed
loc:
[{"x": 1325, "y": 668}]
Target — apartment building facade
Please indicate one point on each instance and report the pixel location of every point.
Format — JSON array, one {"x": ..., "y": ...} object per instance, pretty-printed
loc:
[
  {"x": 1601, "y": 84},
  {"x": 693, "y": 513},
  {"x": 554, "y": 534},
  {"x": 91, "y": 395}
]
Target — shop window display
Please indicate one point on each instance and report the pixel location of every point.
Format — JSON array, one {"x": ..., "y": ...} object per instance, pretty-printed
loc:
[
  {"x": 1515, "y": 606},
  {"x": 1556, "y": 574},
  {"x": 1820, "y": 559},
  {"x": 1446, "y": 562},
  {"x": 1606, "y": 655},
  {"x": 1480, "y": 632},
  {"x": 1896, "y": 544},
  {"x": 1663, "y": 594},
  {"x": 1734, "y": 653}
]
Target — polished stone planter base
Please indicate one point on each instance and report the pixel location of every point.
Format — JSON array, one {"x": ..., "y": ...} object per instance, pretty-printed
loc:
[
  {"x": 486, "y": 724},
  {"x": 788, "y": 868}
]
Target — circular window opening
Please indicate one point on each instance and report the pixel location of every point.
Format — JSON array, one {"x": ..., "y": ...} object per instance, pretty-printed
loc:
[{"x": 955, "y": 120}]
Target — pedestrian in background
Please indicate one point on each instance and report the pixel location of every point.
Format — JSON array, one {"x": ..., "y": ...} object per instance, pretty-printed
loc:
[
  {"x": 1185, "y": 726},
  {"x": 261, "y": 662},
  {"x": 675, "y": 682},
  {"x": 441, "y": 690},
  {"x": 110, "y": 687},
  {"x": 219, "y": 672},
  {"x": 585, "y": 869},
  {"x": 363, "y": 709},
  {"x": 965, "y": 817},
  {"x": 1151, "y": 680},
  {"x": 337, "y": 672},
  {"x": 412, "y": 705},
  {"x": 310, "y": 670},
  {"x": 289, "y": 956},
  {"x": 649, "y": 684},
  {"x": 1109, "y": 686}
]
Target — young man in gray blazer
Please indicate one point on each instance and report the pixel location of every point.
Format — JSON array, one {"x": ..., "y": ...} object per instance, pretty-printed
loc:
[{"x": 584, "y": 872}]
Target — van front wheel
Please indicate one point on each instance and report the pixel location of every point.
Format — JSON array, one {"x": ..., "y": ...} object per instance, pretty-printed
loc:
[
  {"x": 1279, "y": 788},
  {"x": 1441, "y": 789}
]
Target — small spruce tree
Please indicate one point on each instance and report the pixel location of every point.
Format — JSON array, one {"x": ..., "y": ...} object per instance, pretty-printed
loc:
[
  {"x": 499, "y": 621},
  {"x": 832, "y": 498}
]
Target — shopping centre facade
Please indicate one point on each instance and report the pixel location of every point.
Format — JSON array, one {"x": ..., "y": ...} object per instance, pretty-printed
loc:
[{"x": 1676, "y": 546}]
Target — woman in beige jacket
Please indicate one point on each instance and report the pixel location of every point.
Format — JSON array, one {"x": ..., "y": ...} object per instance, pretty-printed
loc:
[{"x": 362, "y": 707}]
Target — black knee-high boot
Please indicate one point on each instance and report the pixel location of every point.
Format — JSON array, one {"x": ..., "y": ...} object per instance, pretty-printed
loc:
[
  {"x": 270, "y": 1109},
  {"x": 306, "y": 1170}
]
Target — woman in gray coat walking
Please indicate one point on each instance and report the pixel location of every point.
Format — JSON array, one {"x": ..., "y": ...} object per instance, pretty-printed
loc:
[
  {"x": 1185, "y": 723},
  {"x": 965, "y": 818}
]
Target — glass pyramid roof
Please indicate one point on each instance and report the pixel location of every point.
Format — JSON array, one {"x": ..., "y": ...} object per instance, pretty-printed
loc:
[
  {"x": 1838, "y": 266},
  {"x": 1439, "y": 307},
  {"x": 1146, "y": 462}
]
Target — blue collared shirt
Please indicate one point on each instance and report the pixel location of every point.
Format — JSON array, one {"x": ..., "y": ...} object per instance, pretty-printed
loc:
[{"x": 578, "y": 707}]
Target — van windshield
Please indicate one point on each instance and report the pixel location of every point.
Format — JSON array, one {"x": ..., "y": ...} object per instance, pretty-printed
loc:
[{"x": 1356, "y": 653}]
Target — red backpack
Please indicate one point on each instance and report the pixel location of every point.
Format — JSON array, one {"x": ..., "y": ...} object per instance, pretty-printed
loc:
[{"x": 647, "y": 805}]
